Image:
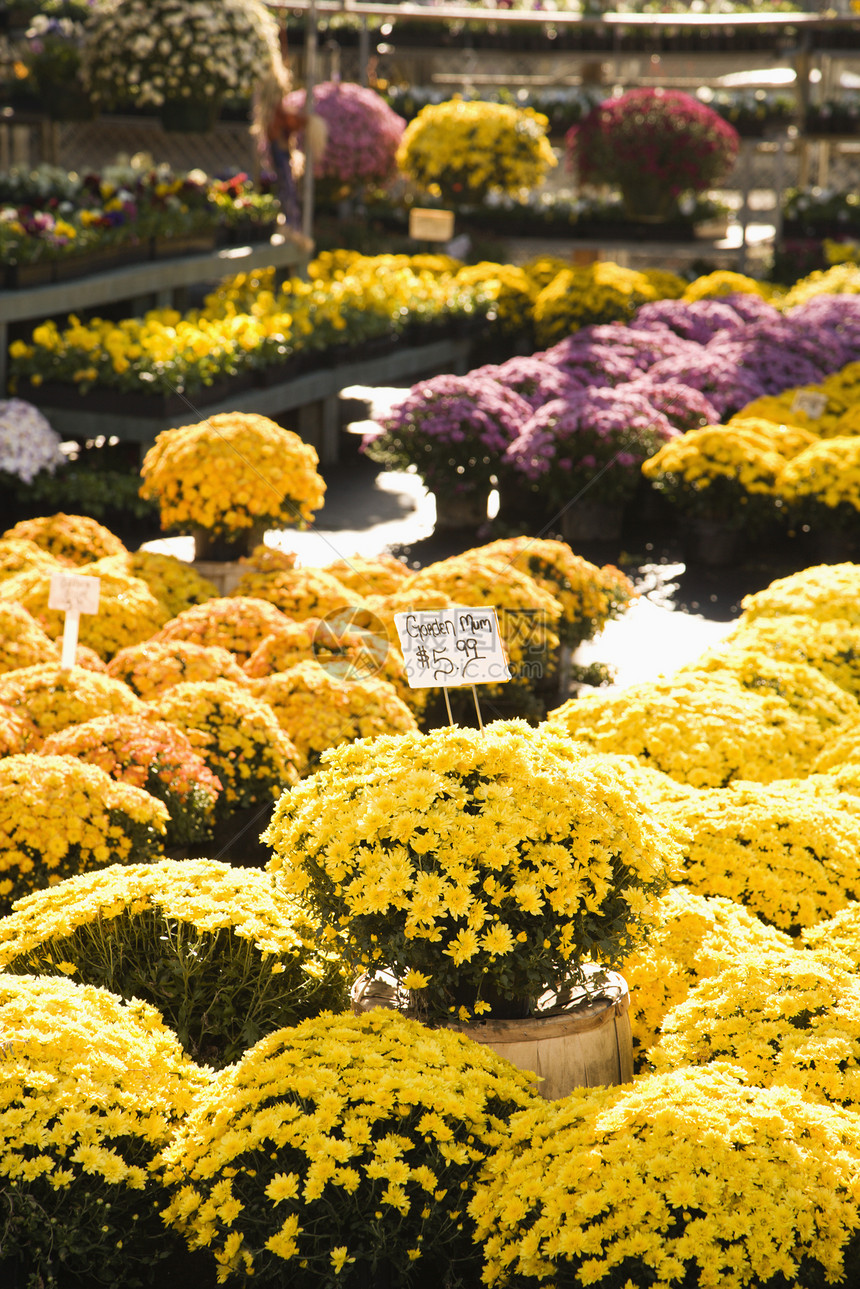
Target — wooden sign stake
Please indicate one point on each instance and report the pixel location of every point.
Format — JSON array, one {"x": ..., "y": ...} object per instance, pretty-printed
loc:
[{"x": 477, "y": 708}]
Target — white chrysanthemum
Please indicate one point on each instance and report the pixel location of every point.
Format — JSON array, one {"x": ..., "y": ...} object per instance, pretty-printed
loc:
[{"x": 27, "y": 442}]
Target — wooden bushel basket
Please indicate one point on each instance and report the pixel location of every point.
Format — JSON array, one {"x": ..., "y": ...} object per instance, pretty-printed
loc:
[
  {"x": 582, "y": 1040},
  {"x": 582, "y": 1043}
]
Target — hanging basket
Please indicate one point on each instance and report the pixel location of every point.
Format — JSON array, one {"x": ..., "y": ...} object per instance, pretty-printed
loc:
[{"x": 189, "y": 115}]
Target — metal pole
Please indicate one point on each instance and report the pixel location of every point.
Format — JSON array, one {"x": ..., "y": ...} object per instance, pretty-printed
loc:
[{"x": 310, "y": 81}]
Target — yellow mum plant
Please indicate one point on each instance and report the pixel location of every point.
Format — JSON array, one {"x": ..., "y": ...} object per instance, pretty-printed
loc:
[
  {"x": 825, "y": 592},
  {"x": 156, "y": 665},
  {"x": 789, "y": 855},
  {"x": 725, "y": 282},
  {"x": 238, "y": 737},
  {"x": 595, "y": 293},
  {"x": 236, "y": 622},
  {"x": 17, "y": 732},
  {"x": 299, "y": 592},
  {"x": 60, "y": 816},
  {"x": 231, "y": 474},
  {"x": 53, "y": 697},
  {"x": 321, "y": 711},
  {"x": 589, "y": 596},
  {"x": 704, "y": 730},
  {"x": 821, "y": 485},
  {"x": 479, "y": 867},
  {"x": 91, "y": 1093},
  {"x": 464, "y": 150},
  {"x": 691, "y": 938},
  {"x": 152, "y": 755},
  {"x": 808, "y": 692},
  {"x": 719, "y": 472},
  {"x": 23, "y": 643},
  {"x": 72, "y": 539},
  {"x": 377, "y": 576},
  {"x": 20, "y": 553},
  {"x": 344, "y": 1150},
  {"x": 218, "y": 950},
  {"x": 832, "y": 647},
  {"x": 838, "y": 280},
  {"x": 128, "y": 611},
  {"x": 175, "y": 583},
  {"x": 688, "y": 1177},
  {"x": 837, "y": 937},
  {"x": 788, "y": 1017}
]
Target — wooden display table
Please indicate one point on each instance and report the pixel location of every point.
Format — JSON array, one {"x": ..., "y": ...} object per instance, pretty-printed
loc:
[{"x": 313, "y": 397}]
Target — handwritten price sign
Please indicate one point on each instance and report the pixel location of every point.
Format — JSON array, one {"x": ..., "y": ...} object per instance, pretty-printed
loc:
[
  {"x": 447, "y": 647},
  {"x": 73, "y": 594}
]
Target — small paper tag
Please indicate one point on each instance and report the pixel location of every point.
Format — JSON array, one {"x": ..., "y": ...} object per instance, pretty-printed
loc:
[
  {"x": 431, "y": 225},
  {"x": 456, "y": 646},
  {"x": 812, "y": 402},
  {"x": 74, "y": 593}
]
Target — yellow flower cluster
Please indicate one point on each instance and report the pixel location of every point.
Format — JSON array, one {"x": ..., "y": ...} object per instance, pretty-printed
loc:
[
  {"x": 704, "y": 730},
  {"x": 725, "y": 282},
  {"x": 686, "y": 1176},
  {"x": 154, "y": 666},
  {"x": 72, "y": 539},
  {"x": 596, "y": 293},
  {"x": 790, "y": 855},
  {"x": 53, "y": 697},
  {"x": 227, "y": 472},
  {"x": 511, "y": 290},
  {"x": 840, "y": 279},
  {"x": 20, "y": 553},
  {"x": 60, "y": 816},
  {"x": 787, "y": 1017},
  {"x": 17, "y": 732},
  {"x": 823, "y": 593},
  {"x": 826, "y": 410},
  {"x": 721, "y": 470},
  {"x": 175, "y": 583},
  {"x": 691, "y": 938},
  {"x": 91, "y": 1092},
  {"x": 465, "y": 149},
  {"x": 347, "y": 1140},
  {"x": 23, "y": 643},
  {"x": 128, "y": 611},
  {"x": 806, "y": 689},
  {"x": 320, "y": 711},
  {"x": 152, "y": 755},
  {"x": 227, "y": 930},
  {"x": 480, "y": 863},
  {"x": 589, "y": 596},
  {"x": 377, "y": 576},
  {"x": 827, "y": 474},
  {"x": 837, "y": 937},
  {"x": 238, "y": 623},
  {"x": 237, "y": 735},
  {"x": 299, "y": 592}
]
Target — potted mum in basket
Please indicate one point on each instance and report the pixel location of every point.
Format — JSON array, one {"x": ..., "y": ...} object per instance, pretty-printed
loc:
[
  {"x": 582, "y": 456},
  {"x": 177, "y": 56},
  {"x": 479, "y": 868},
  {"x": 453, "y": 431},
  {"x": 463, "y": 151},
  {"x": 655, "y": 145},
  {"x": 229, "y": 478}
]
